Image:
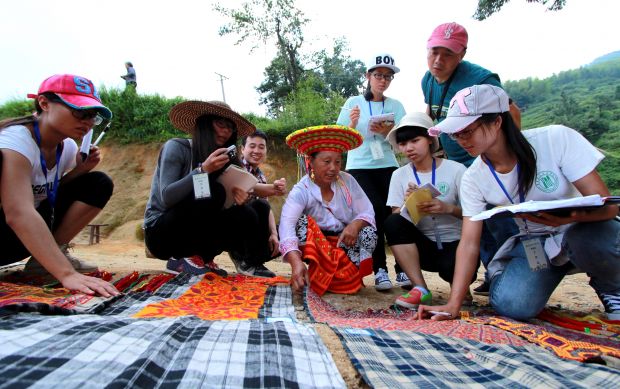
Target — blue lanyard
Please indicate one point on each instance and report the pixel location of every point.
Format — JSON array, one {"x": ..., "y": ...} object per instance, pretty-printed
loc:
[
  {"x": 51, "y": 194},
  {"x": 382, "y": 107},
  {"x": 415, "y": 173},
  {"x": 501, "y": 185}
]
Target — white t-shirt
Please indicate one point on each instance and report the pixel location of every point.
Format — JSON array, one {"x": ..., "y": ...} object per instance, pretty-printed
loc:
[
  {"x": 447, "y": 180},
  {"x": 18, "y": 138},
  {"x": 562, "y": 157}
]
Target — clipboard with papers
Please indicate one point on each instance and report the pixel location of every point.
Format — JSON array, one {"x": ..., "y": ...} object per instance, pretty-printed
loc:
[
  {"x": 234, "y": 176},
  {"x": 410, "y": 210},
  {"x": 384, "y": 117}
]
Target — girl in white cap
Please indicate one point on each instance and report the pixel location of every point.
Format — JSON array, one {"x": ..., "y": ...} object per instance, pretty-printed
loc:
[
  {"x": 547, "y": 163},
  {"x": 48, "y": 192},
  {"x": 373, "y": 162},
  {"x": 431, "y": 243}
]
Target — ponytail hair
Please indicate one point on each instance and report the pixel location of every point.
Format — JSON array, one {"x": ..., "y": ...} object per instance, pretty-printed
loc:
[
  {"x": 525, "y": 153},
  {"x": 368, "y": 93}
]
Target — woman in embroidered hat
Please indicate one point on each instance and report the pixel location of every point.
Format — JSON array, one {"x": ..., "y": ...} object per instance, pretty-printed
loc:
[
  {"x": 429, "y": 241},
  {"x": 373, "y": 114},
  {"x": 187, "y": 219},
  {"x": 511, "y": 167},
  {"x": 48, "y": 193},
  {"x": 327, "y": 220}
]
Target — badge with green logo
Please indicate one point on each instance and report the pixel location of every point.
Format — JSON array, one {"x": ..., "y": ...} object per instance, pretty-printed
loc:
[
  {"x": 443, "y": 187},
  {"x": 547, "y": 181}
]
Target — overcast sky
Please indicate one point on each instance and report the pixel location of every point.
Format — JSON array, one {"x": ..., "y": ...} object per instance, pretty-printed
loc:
[{"x": 176, "y": 50}]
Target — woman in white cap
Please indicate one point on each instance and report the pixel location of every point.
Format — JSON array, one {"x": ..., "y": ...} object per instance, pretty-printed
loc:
[
  {"x": 547, "y": 163},
  {"x": 431, "y": 243},
  {"x": 48, "y": 192},
  {"x": 373, "y": 162},
  {"x": 185, "y": 221},
  {"x": 327, "y": 220}
]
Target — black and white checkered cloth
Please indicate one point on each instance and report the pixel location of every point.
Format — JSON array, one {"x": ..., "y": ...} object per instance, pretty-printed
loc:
[
  {"x": 399, "y": 359},
  {"x": 88, "y": 351}
]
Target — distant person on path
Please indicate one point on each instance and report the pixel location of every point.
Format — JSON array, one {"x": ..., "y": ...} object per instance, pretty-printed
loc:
[
  {"x": 254, "y": 153},
  {"x": 540, "y": 164},
  {"x": 373, "y": 162},
  {"x": 327, "y": 219},
  {"x": 47, "y": 193},
  {"x": 430, "y": 244},
  {"x": 185, "y": 221},
  {"x": 130, "y": 77},
  {"x": 447, "y": 74}
]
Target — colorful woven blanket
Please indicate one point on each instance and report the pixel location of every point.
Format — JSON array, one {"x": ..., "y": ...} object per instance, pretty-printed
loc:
[
  {"x": 575, "y": 345},
  {"x": 89, "y": 351},
  {"x": 321, "y": 311},
  {"x": 216, "y": 298},
  {"x": 403, "y": 359}
]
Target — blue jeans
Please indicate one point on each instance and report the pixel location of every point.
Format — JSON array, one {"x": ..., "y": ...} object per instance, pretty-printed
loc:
[
  {"x": 521, "y": 293},
  {"x": 494, "y": 233}
]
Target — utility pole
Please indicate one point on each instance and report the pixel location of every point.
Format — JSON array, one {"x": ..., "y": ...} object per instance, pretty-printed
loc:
[{"x": 222, "y": 78}]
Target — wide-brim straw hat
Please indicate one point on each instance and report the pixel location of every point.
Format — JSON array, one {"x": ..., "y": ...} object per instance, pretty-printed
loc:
[
  {"x": 183, "y": 115},
  {"x": 331, "y": 137}
]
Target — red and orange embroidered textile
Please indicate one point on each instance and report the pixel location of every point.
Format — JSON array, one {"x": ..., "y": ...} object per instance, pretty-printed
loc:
[
  {"x": 330, "y": 269},
  {"x": 216, "y": 298},
  {"x": 566, "y": 344}
]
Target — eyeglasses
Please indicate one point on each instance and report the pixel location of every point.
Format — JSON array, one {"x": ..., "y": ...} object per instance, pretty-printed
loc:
[
  {"x": 224, "y": 123},
  {"x": 465, "y": 134},
  {"x": 386, "y": 77},
  {"x": 80, "y": 114}
]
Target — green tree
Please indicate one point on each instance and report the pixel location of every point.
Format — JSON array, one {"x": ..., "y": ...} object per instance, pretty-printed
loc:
[
  {"x": 338, "y": 71},
  {"x": 487, "y": 8}
]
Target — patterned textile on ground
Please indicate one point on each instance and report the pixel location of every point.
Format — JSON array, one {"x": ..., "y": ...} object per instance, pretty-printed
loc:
[
  {"x": 589, "y": 323},
  {"x": 321, "y": 311},
  {"x": 235, "y": 297},
  {"x": 400, "y": 359},
  {"x": 52, "y": 298},
  {"x": 330, "y": 269},
  {"x": 568, "y": 344},
  {"x": 89, "y": 351}
]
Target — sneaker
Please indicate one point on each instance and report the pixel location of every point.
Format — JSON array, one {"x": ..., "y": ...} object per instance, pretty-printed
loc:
[
  {"x": 483, "y": 289},
  {"x": 403, "y": 281},
  {"x": 611, "y": 301},
  {"x": 34, "y": 267},
  {"x": 382, "y": 280},
  {"x": 213, "y": 267},
  {"x": 249, "y": 270},
  {"x": 417, "y": 296},
  {"x": 191, "y": 265}
]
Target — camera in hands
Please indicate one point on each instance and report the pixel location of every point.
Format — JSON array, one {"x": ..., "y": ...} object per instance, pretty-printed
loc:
[{"x": 231, "y": 151}]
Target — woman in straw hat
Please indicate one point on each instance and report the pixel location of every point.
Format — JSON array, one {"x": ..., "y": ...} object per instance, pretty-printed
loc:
[
  {"x": 327, "y": 220},
  {"x": 373, "y": 162},
  {"x": 185, "y": 223},
  {"x": 431, "y": 243},
  {"x": 49, "y": 193},
  {"x": 512, "y": 166}
]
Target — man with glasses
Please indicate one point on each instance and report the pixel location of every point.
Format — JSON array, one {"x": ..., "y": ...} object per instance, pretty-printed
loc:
[{"x": 447, "y": 74}]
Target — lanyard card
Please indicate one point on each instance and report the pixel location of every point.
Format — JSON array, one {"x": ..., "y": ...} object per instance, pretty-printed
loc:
[
  {"x": 202, "y": 190},
  {"x": 536, "y": 257},
  {"x": 376, "y": 149}
]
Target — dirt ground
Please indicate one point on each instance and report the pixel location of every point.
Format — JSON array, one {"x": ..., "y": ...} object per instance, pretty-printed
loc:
[{"x": 121, "y": 251}]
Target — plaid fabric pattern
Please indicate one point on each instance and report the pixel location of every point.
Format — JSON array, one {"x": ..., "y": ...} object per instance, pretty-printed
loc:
[
  {"x": 185, "y": 352},
  {"x": 397, "y": 359}
]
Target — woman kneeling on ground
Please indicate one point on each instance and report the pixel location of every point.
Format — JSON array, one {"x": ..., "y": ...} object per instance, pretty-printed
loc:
[
  {"x": 431, "y": 243},
  {"x": 327, "y": 220},
  {"x": 547, "y": 163},
  {"x": 185, "y": 220},
  {"x": 48, "y": 193}
]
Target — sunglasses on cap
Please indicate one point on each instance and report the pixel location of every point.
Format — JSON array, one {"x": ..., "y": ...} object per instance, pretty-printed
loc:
[{"x": 80, "y": 114}]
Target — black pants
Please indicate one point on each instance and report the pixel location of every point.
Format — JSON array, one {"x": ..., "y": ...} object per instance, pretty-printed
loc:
[
  {"x": 399, "y": 230},
  {"x": 93, "y": 188},
  {"x": 202, "y": 227},
  {"x": 376, "y": 185}
]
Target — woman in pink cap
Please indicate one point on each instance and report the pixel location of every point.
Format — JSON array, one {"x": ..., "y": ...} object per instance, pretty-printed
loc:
[{"x": 48, "y": 193}]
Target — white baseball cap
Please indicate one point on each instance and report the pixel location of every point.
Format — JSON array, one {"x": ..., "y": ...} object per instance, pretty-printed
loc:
[
  {"x": 382, "y": 61},
  {"x": 469, "y": 104}
]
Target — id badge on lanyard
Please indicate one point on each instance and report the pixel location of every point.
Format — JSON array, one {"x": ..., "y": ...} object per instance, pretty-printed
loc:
[
  {"x": 376, "y": 148},
  {"x": 415, "y": 174},
  {"x": 51, "y": 193},
  {"x": 534, "y": 251}
]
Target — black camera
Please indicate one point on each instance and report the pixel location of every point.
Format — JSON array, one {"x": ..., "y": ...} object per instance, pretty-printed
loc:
[{"x": 231, "y": 151}]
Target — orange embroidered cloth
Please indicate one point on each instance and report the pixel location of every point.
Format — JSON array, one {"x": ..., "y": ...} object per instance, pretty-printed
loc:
[
  {"x": 330, "y": 269},
  {"x": 216, "y": 298}
]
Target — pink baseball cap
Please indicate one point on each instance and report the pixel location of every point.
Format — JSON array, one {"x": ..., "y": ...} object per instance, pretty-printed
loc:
[
  {"x": 469, "y": 104},
  {"x": 75, "y": 91},
  {"x": 452, "y": 36}
]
